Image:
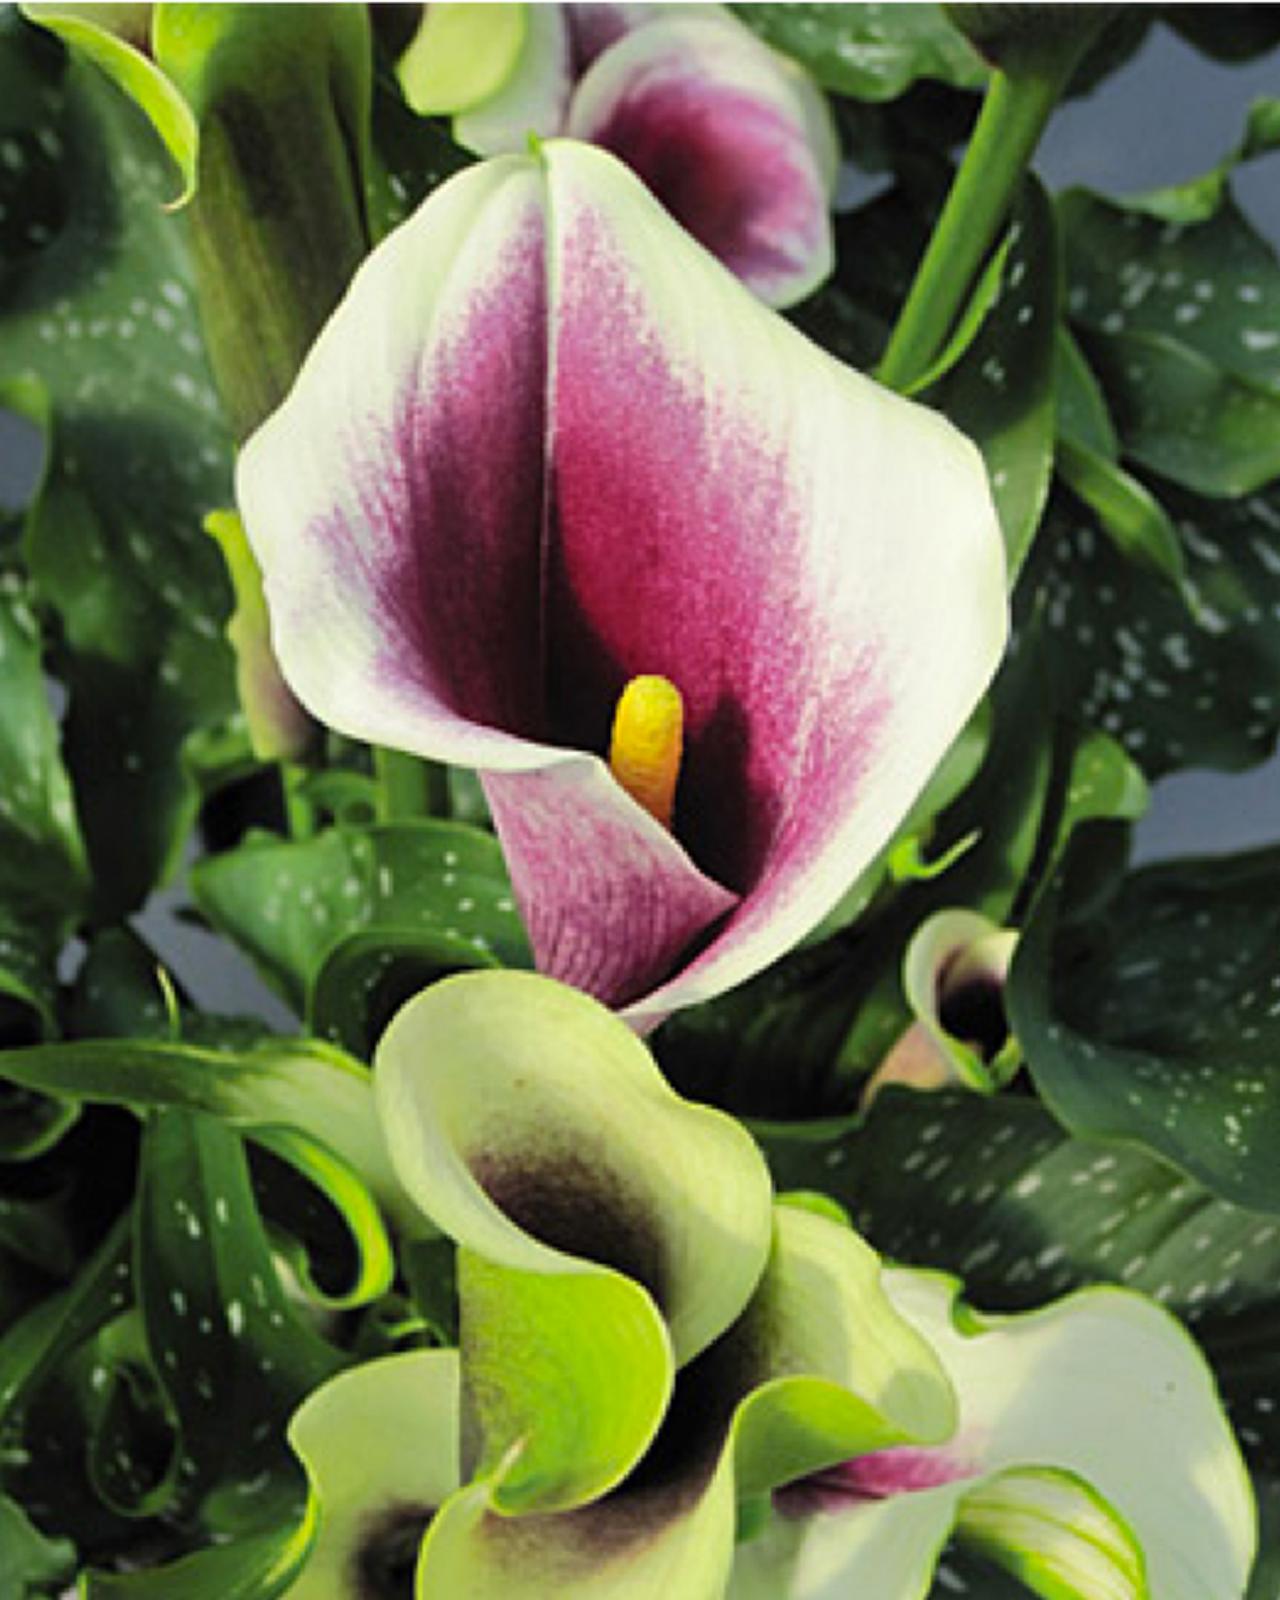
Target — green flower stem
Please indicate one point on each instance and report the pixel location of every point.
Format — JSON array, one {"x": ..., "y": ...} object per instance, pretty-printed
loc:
[
  {"x": 1008, "y": 130},
  {"x": 299, "y": 814},
  {"x": 408, "y": 786}
]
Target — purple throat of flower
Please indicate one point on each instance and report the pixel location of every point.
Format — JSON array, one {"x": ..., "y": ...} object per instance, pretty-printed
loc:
[{"x": 880, "y": 1475}]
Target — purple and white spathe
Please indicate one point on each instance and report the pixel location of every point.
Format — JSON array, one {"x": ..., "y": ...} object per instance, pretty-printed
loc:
[{"x": 547, "y": 444}]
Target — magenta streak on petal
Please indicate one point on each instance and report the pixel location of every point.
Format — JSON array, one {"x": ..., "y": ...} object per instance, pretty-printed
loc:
[
  {"x": 675, "y": 549},
  {"x": 903, "y": 1469},
  {"x": 733, "y": 168},
  {"x": 448, "y": 533}
]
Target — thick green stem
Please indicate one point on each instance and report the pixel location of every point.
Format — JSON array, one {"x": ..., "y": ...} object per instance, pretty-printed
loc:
[
  {"x": 299, "y": 814},
  {"x": 409, "y": 787},
  {"x": 1009, "y": 126}
]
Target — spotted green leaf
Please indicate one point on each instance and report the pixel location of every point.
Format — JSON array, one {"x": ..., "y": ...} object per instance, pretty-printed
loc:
[
  {"x": 871, "y": 52},
  {"x": 33, "y": 1347},
  {"x": 1181, "y": 679},
  {"x": 1177, "y": 299},
  {"x": 42, "y": 863},
  {"x": 317, "y": 1092},
  {"x": 30, "y": 1563},
  {"x": 346, "y": 925},
  {"x": 256, "y": 1566},
  {"x": 1155, "y": 1019},
  {"x": 1002, "y": 392},
  {"x": 95, "y": 304},
  {"x": 233, "y": 1354},
  {"x": 43, "y": 882}
]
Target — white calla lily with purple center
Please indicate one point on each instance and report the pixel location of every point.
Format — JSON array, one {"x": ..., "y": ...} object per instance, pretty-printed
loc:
[
  {"x": 1092, "y": 1460},
  {"x": 734, "y": 139},
  {"x": 549, "y": 462}
]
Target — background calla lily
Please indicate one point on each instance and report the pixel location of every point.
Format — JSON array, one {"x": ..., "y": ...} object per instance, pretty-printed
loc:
[
  {"x": 734, "y": 139},
  {"x": 546, "y": 445},
  {"x": 953, "y": 975},
  {"x": 1092, "y": 1457}
]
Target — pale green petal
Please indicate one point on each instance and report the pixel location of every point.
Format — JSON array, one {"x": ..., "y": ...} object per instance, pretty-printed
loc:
[
  {"x": 533, "y": 97},
  {"x": 380, "y": 1445},
  {"x": 841, "y": 1372},
  {"x": 610, "y": 1230},
  {"x": 671, "y": 1539},
  {"x": 533, "y": 1126},
  {"x": 461, "y": 55},
  {"x": 765, "y": 1402},
  {"x": 877, "y": 1550},
  {"x": 567, "y": 1376}
]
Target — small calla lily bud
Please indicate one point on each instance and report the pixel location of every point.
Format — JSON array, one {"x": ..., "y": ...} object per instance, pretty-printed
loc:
[
  {"x": 279, "y": 729},
  {"x": 953, "y": 975}
]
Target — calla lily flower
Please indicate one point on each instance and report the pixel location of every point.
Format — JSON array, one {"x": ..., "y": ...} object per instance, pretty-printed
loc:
[
  {"x": 669, "y": 1383},
  {"x": 1092, "y": 1458},
  {"x": 548, "y": 451},
  {"x": 953, "y": 975},
  {"x": 647, "y": 1341},
  {"x": 734, "y": 139}
]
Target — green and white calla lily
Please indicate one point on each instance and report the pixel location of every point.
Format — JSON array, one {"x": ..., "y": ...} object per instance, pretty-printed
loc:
[{"x": 648, "y": 1342}]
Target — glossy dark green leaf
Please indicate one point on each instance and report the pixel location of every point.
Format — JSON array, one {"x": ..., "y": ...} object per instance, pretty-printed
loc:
[
  {"x": 1127, "y": 512},
  {"x": 1002, "y": 392},
  {"x": 96, "y": 305},
  {"x": 350, "y": 922},
  {"x": 129, "y": 1453},
  {"x": 30, "y": 1565},
  {"x": 1182, "y": 415},
  {"x": 1213, "y": 287},
  {"x": 871, "y": 52},
  {"x": 1156, "y": 1019},
  {"x": 1178, "y": 298},
  {"x": 33, "y": 1228},
  {"x": 43, "y": 880},
  {"x": 323, "y": 1219},
  {"x": 1226, "y": 32},
  {"x": 255, "y": 1566},
  {"x": 231, "y": 1351},
  {"x": 411, "y": 156},
  {"x": 120, "y": 991},
  {"x": 318, "y": 1093},
  {"x": 33, "y": 1347},
  {"x": 1181, "y": 679},
  {"x": 28, "y": 984},
  {"x": 42, "y": 865}
]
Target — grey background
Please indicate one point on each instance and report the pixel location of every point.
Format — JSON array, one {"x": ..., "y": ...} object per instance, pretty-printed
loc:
[{"x": 1168, "y": 115}]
